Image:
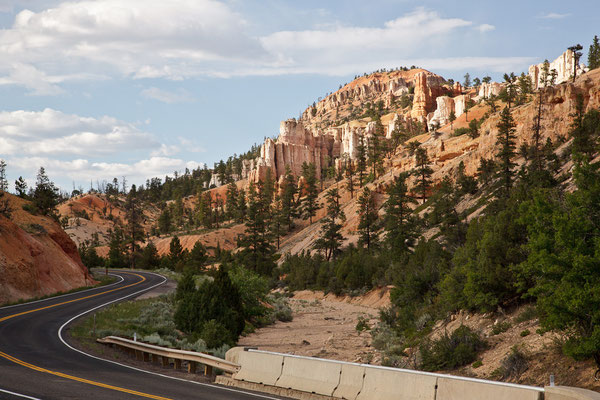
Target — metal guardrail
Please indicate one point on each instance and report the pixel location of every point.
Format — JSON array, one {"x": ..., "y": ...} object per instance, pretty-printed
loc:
[{"x": 144, "y": 350}]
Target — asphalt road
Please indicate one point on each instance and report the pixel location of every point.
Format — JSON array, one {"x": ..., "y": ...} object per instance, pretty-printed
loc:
[{"x": 36, "y": 362}]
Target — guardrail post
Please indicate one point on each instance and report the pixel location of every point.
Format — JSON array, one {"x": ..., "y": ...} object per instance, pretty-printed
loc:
[
  {"x": 165, "y": 361},
  {"x": 192, "y": 367},
  {"x": 139, "y": 355},
  {"x": 155, "y": 359},
  {"x": 177, "y": 363},
  {"x": 146, "y": 356},
  {"x": 208, "y": 370}
]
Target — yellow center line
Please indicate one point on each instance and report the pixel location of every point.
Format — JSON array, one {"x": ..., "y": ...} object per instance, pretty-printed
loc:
[{"x": 74, "y": 378}]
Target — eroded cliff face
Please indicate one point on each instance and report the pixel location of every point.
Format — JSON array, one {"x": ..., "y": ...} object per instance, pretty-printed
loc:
[
  {"x": 37, "y": 257},
  {"x": 564, "y": 66}
]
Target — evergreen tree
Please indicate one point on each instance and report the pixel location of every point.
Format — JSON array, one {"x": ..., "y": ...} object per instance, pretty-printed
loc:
[
  {"x": 278, "y": 220},
  {"x": 3, "y": 180},
  {"x": 21, "y": 187},
  {"x": 594, "y": 54},
  {"x": 467, "y": 82},
  {"x": 473, "y": 128},
  {"x": 452, "y": 118},
  {"x": 399, "y": 224},
  {"x": 331, "y": 238},
  {"x": 45, "y": 194},
  {"x": 585, "y": 130},
  {"x": 368, "y": 226},
  {"x": 203, "y": 210},
  {"x": 444, "y": 214},
  {"x": 486, "y": 171},
  {"x": 510, "y": 93},
  {"x": 361, "y": 159},
  {"x": 232, "y": 201},
  {"x": 198, "y": 256},
  {"x": 164, "y": 221},
  {"x": 149, "y": 258},
  {"x": 288, "y": 198},
  {"x": 116, "y": 254},
  {"x": 258, "y": 253},
  {"x": 241, "y": 206},
  {"x": 422, "y": 172},
  {"x": 466, "y": 184},
  {"x": 135, "y": 231},
  {"x": 350, "y": 179},
  {"x": 506, "y": 153},
  {"x": 309, "y": 204},
  {"x": 176, "y": 252}
]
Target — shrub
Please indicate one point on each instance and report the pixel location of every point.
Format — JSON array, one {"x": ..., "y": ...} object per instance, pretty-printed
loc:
[
  {"x": 451, "y": 351},
  {"x": 362, "y": 324},
  {"x": 525, "y": 333},
  {"x": 461, "y": 131},
  {"x": 514, "y": 364},
  {"x": 500, "y": 327},
  {"x": 477, "y": 364},
  {"x": 527, "y": 315}
]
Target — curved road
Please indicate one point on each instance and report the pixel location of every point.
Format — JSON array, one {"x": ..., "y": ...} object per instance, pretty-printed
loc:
[{"x": 36, "y": 363}]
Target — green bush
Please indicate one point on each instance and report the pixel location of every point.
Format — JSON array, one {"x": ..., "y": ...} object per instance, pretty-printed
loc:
[
  {"x": 514, "y": 364},
  {"x": 500, "y": 327},
  {"x": 527, "y": 315},
  {"x": 524, "y": 333},
  {"x": 451, "y": 351}
]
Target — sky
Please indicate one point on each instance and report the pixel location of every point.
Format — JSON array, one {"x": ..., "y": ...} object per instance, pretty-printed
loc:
[{"x": 97, "y": 89}]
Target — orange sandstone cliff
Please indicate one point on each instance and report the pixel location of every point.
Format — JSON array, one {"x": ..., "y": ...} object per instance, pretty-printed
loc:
[{"x": 37, "y": 257}]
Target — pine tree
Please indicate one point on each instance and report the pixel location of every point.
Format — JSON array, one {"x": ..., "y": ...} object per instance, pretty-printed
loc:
[
  {"x": 350, "y": 179},
  {"x": 258, "y": 252},
  {"x": 278, "y": 220},
  {"x": 473, "y": 128},
  {"x": 486, "y": 171},
  {"x": 198, "y": 256},
  {"x": 288, "y": 198},
  {"x": 204, "y": 210},
  {"x": 510, "y": 93},
  {"x": 21, "y": 187},
  {"x": 45, "y": 194},
  {"x": 361, "y": 159},
  {"x": 398, "y": 224},
  {"x": 452, "y": 118},
  {"x": 176, "y": 252},
  {"x": 422, "y": 172},
  {"x": 3, "y": 180},
  {"x": 506, "y": 153},
  {"x": 241, "y": 206},
  {"x": 309, "y": 204},
  {"x": 467, "y": 82},
  {"x": 116, "y": 256},
  {"x": 232, "y": 201},
  {"x": 331, "y": 238},
  {"x": 368, "y": 226},
  {"x": 164, "y": 221},
  {"x": 594, "y": 54},
  {"x": 135, "y": 231}
]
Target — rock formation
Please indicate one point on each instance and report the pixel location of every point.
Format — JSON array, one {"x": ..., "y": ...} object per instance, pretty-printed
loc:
[
  {"x": 37, "y": 258},
  {"x": 563, "y": 65},
  {"x": 487, "y": 90},
  {"x": 441, "y": 115}
]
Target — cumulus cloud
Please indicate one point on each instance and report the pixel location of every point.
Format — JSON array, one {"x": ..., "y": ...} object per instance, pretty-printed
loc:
[
  {"x": 52, "y": 132},
  {"x": 82, "y": 170},
  {"x": 180, "y": 39},
  {"x": 553, "y": 15},
  {"x": 165, "y": 96}
]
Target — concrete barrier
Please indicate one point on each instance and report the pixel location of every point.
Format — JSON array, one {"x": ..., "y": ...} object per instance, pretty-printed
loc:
[
  {"x": 472, "y": 389},
  {"x": 310, "y": 375},
  {"x": 351, "y": 382},
  {"x": 257, "y": 367},
  {"x": 394, "y": 384},
  {"x": 569, "y": 393}
]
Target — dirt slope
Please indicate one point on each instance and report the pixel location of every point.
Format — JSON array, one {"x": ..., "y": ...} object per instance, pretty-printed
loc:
[{"x": 37, "y": 257}]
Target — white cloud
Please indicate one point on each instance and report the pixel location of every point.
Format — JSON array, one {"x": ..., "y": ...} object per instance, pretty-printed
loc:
[
  {"x": 180, "y": 96},
  {"x": 83, "y": 170},
  {"x": 51, "y": 132},
  {"x": 182, "y": 39},
  {"x": 165, "y": 150},
  {"x": 133, "y": 38},
  {"x": 553, "y": 15},
  {"x": 485, "y": 28}
]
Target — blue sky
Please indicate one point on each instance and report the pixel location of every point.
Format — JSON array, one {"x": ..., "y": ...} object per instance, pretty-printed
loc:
[{"x": 140, "y": 88}]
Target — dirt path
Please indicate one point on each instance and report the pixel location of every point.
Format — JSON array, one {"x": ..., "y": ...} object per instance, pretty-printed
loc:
[{"x": 323, "y": 326}]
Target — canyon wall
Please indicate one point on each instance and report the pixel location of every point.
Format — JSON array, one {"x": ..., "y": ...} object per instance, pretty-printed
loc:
[{"x": 563, "y": 65}]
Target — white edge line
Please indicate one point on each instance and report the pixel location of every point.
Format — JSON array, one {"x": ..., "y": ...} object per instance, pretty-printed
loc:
[
  {"x": 66, "y": 294},
  {"x": 138, "y": 369},
  {"x": 19, "y": 395}
]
